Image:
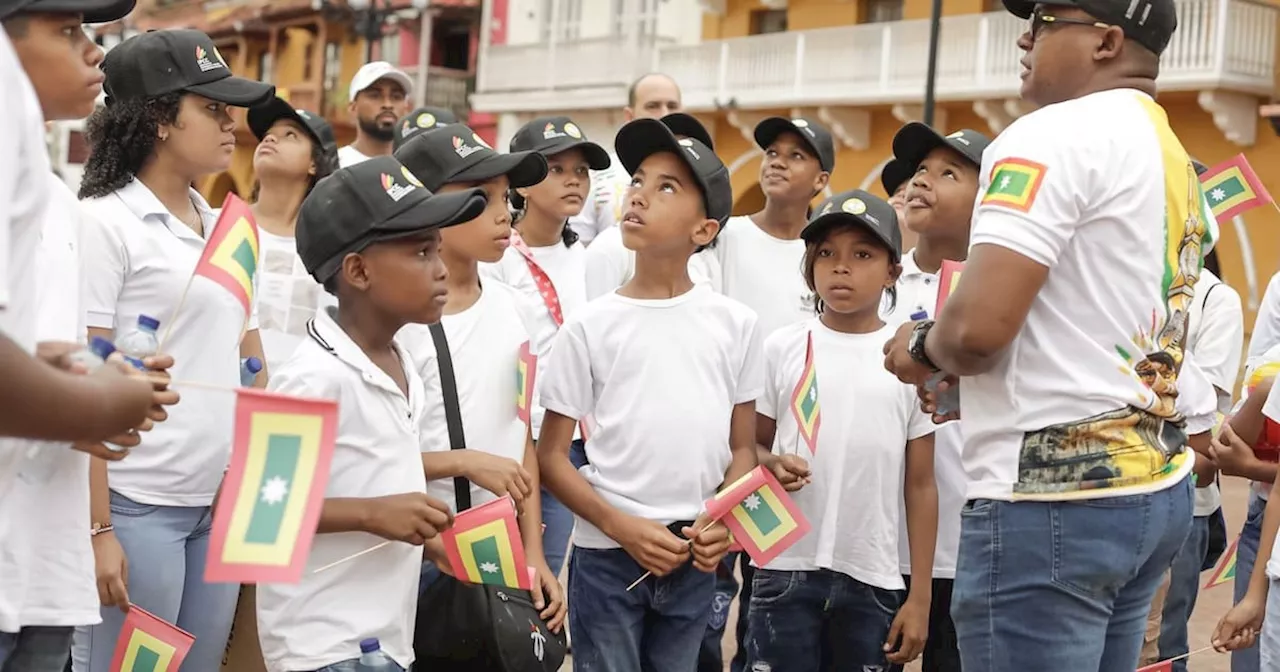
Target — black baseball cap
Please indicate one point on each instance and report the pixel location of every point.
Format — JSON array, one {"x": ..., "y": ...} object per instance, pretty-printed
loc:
[
  {"x": 455, "y": 153},
  {"x": 642, "y": 138},
  {"x": 688, "y": 126},
  {"x": 895, "y": 173},
  {"x": 814, "y": 134},
  {"x": 421, "y": 119},
  {"x": 94, "y": 11},
  {"x": 1148, "y": 22},
  {"x": 915, "y": 140},
  {"x": 262, "y": 117},
  {"x": 165, "y": 61},
  {"x": 373, "y": 201},
  {"x": 551, "y": 135},
  {"x": 858, "y": 207}
]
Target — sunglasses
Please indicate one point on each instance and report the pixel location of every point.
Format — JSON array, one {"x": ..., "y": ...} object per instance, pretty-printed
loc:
[{"x": 1039, "y": 20}]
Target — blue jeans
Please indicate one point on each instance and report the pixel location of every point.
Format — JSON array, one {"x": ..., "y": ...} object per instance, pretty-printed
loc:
[
  {"x": 656, "y": 627},
  {"x": 818, "y": 620},
  {"x": 166, "y": 547},
  {"x": 1184, "y": 587},
  {"x": 1246, "y": 660},
  {"x": 35, "y": 649},
  {"x": 711, "y": 655},
  {"x": 1063, "y": 586}
]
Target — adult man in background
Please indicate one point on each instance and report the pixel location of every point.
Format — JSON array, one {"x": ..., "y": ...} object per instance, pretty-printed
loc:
[{"x": 379, "y": 98}]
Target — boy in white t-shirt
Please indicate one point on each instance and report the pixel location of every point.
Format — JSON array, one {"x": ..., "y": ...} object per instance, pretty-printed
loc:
[
  {"x": 669, "y": 371},
  {"x": 371, "y": 236}
]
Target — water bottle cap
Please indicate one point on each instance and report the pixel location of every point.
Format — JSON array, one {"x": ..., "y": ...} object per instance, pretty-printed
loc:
[
  {"x": 919, "y": 315},
  {"x": 101, "y": 347},
  {"x": 253, "y": 364},
  {"x": 370, "y": 645},
  {"x": 148, "y": 322}
]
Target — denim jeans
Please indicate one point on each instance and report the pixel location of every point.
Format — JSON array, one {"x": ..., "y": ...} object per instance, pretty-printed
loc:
[
  {"x": 166, "y": 548},
  {"x": 35, "y": 649},
  {"x": 1246, "y": 660},
  {"x": 656, "y": 627},
  {"x": 711, "y": 656},
  {"x": 1184, "y": 587},
  {"x": 352, "y": 665},
  {"x": 1063, "y": 586}
]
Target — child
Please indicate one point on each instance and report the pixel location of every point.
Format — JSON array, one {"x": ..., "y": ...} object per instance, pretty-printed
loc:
[
  {"x": 828, "y": 602},
  {"x": 545, "y": 263},
  {"x": 669, "y": 371},
  {"x": 938, "y": 198},
  {"x": 371, "y": 236},
  {"x": 894, "y": 177},
  {"x": 486, "y": 324}
]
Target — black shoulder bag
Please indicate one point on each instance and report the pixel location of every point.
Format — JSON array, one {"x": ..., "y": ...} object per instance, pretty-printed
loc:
[{"x": 470, "y": 627}]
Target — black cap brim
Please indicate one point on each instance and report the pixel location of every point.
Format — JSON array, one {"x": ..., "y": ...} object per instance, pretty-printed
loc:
[
  {"x": 641, "y": 139},
  {"x": 818, "y": 225},
  {"x": 895, "y": 174},
  {"x": 914, "y": 141},
  {"x": 688, "y": 126},
  {"x": 1024, "y": 8},
  {"x": 523, "y": 169},
  {"x": 94, "y": 11},
  {"x": 768, "y": 131},
  {"x": 597, "y": 158},
  {"x": 235, "y": 91},
  {"x": 262, "y": 117}
]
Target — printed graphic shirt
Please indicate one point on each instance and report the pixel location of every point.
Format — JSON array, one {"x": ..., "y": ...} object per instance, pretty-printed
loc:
[{"x": 1081, "y": 404}]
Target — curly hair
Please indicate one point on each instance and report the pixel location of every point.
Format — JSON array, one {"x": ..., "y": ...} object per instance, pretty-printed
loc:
[{"x": 122, "y": 137}]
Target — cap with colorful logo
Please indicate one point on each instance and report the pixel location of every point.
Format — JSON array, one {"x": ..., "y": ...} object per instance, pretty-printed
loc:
[
  {"x": 642, "y": 138},
  {"x": 815, "y": 135},
  {"x": 861, "y": 208},
  {"x": 373, "y": 201},
  {"x": 419, "y": 120},
  {"x": 455, "y": 153},
  {"x": 263, "y": 117},
  {"x": 549, "y": 136},
  {"x": 168, "y": 61},
  {"x": 915, "y": 140}
]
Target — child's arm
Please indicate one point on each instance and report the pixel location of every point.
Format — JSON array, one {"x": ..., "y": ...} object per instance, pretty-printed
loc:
[
  {"x": 1204, "y": 468},
  {"x": 791, "y": 470},
  {"x": 499, "y": 475},
  {"x": 411, "y": 517},
  {"x": 1239, "y": 628},
  {"x": 251, "y": 346},
  {"x": 711, "y": 540},
  {"x": 920, "y": 492},
  {"x": 1236, "y": 458},
  {"x": 549, "y": 601}
]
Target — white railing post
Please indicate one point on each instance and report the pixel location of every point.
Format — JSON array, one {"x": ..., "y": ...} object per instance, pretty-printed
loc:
[
  {"x": 1220, "y": 38},
  {"x": 984, "y": 40},
  {"x": 722, "y": 76},
  {"x": 886, "y": 55},
  {"x": 799, "y": 87}
]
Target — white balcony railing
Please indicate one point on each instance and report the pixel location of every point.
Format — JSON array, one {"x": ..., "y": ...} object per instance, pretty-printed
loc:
[
  {"x": 1227, "y": 44},
  {"x": 598, "y": 62}
]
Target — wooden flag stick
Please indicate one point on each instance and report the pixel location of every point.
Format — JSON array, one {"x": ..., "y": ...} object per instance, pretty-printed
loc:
[
  {"x": 349, "y": 558},
  {"x": 168, "y": 327},
  {"x": 649, "y": 574}
]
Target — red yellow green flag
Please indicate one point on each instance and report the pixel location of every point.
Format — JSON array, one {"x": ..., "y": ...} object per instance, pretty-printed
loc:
[
  {"x": 148, "y": 644},
  {"x": 231, "y": 254},
  {"x": 804, "y": 401},
  {"x": 1014, "y": 184},
  {"x": 1232, "y": 188},
  {"x": 1225, "y": 572},
  {"x": 759, "y": 514},
  {"x": 271, "y": 496},
  {"x": 484, "y": 546},
  {"x": 1162, "y": 666},
  {"x": 526, "y": 373},
  {"x": 948, "y": 276}
]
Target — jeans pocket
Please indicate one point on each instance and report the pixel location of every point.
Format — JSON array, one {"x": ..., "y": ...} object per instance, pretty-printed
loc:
[
  {"x": 123, "y": 506},
  {"x": 770, "y": 586},
  {"x": 1095, "y": 544},
  {"x": 977, "y": 507},
  {"x": 1257, "y": 510},
  {"x": 887, "y": 601}
]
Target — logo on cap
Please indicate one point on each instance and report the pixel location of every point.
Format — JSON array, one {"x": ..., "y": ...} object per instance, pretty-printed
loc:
[
  {"x": 799, "y": 123},
  {"x": 854, "y": 206},
  {"x": 462, "y": 149},
  {"x": 426, "y": 120},
  {"x": 688, "y": 147},
  {"x": 395, "y": 191},
  {"x": 549, "y": 132},
  {"x": 572, "y": 130},
  {"x": 206, "y": 64},
  {"x": 408, "y": 175},
  {"x": 827, "y": 208},
  {"x": 480, "y": 141}
]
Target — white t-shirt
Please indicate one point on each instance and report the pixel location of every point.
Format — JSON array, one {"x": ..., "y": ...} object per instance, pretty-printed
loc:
[
  {"x": 764, "y": 272},
  {"x": 349, "y": 156},
  {"x": 867, "y": 418},
  {"x": 1266, "y": 325},
  {"x": 1198, "y": 401},
  {"x": 484, "y": 344},
  {"x": 603, "y": 209},
  {"x": 23, "y": 172},
  {"x": 918, "y": 292},
  {"x": 138, "y": 258},
  {"x": 288, "y": 297},
  {"x": 1216, "y": 333},
  {"x": 565, "y": 267},
  {"x": 1054, "y": 419},
  {"x": 660, "y": 379},
  {"x": 609, "y": 265},
  {"x": 321, "y": 620}
]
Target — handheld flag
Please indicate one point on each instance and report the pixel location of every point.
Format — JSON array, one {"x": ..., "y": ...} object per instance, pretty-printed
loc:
[
  {"x": 272, "y": 494},
  {"x": 484, "y": 546},
  {"x": 804, "y": 401},
  {"x": 948, "y": 276},
  {"x": 759, "y": 514},
  {"x": 1225, "y": 572},
  {"x": 526, "y": 372},
  {"x": 148, "y": 644},
  {"x": 1162, "y": 666},
  {"x": 1232, "y": 188},
  {"x": 230, "y": 255}
]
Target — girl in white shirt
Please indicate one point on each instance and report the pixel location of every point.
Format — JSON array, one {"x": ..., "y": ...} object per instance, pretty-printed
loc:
[
  {"x": 296, "y": 149},
  {"x": 166, "y": 125},
  {"x": 852, "y": 443},
  {"x": 545, "y": 262}
]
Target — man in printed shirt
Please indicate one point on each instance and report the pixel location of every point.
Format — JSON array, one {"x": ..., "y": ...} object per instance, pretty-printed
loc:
[{"x": 1090, "y": 232}]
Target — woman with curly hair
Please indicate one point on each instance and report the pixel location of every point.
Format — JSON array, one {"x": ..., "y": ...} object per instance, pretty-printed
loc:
[
  {"x": 165, "y": 125},
  {"x": 296, "y": 150}
]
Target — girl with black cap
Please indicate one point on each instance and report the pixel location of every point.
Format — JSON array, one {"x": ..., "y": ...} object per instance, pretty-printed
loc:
[{"x": 165, "y": 125}]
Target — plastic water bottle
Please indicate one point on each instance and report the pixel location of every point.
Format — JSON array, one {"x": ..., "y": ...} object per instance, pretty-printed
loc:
[
  {"x": 249, "y": 368},
  {"x": 95, "y": 355},
  {"x": 141, "y": 342},
  {"x": 41, "y": 459},
  {"x": 374, "y": 659},
  {"x": 948, "y": 401}
]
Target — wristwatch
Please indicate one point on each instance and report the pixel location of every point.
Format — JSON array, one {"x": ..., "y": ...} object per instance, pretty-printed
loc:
[{"x": 915, "y": 344}]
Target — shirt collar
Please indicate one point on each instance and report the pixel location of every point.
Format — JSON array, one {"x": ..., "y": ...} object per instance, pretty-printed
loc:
[
  {"x": 909, "y": 266},
  {"x": 326, "y": 333},
  {"x": 143, "y": 203}
]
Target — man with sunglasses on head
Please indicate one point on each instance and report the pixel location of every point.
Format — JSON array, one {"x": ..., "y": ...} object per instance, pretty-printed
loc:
[{"x": 1090, "y": 231}]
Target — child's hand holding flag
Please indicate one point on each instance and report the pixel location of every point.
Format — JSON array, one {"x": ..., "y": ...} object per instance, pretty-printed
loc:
[
  {"x": 792, "y": 471},
  {"x": 709, "y": 540},
  {"x": 1239, "y": 628}
]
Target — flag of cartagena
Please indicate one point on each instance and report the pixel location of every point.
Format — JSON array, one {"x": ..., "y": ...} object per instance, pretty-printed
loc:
[
  {"x": 484, "y": 546},
  {"x": 948, "y": 276},
  {"x": 1226, "y": 570},
  {"x": 1014, "y": 184},
  {"x": 526, "y": 373},
  {"x": 231, "y": 254},
  {"x": 804, "y": 400},
  {"x": 271, "y": 496},
  {"x": 1232, "y": 188},
  {"x": 1162, "y": 666},
  {"x": 148, "y": 644},
  {"x": 760, "y": 515}
]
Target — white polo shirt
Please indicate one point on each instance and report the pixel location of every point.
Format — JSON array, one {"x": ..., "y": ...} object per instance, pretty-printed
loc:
[
  {"x": 138, "y": 258},
  {"x": 609, "y": 265},
  {"x": 321, "y": 620},
  {"x": 660, "y": 379},
  {"x": 24, "y": 165}
]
